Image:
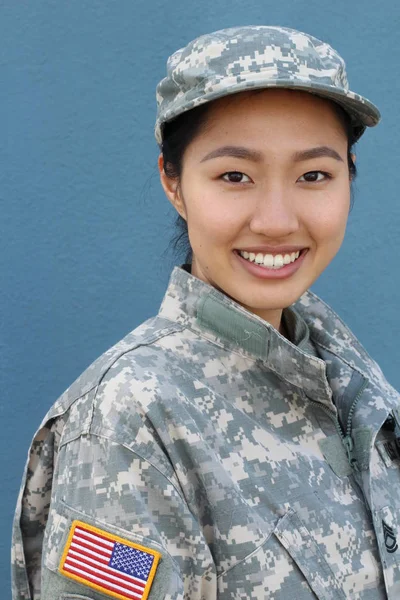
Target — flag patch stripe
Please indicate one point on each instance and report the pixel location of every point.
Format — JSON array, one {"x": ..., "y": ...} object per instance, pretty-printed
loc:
[
  {"x": 91, "y": 546},
  {"x": 85, "y": 534},
  {"x": 91, "y": 540},
  {"x": 106, "y": 562},
  {"x": 77, "y": 549}
]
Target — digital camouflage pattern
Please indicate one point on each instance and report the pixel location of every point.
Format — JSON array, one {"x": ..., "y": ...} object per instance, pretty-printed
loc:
[
  {"x": 253, "y": 57},
  {"x": 256, "y": 469}
]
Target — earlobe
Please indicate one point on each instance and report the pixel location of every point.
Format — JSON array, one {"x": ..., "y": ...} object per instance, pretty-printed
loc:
[{"x": 171, "y": 188}]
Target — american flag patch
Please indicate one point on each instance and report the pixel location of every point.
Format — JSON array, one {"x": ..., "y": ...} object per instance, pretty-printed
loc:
[{"x": 108, "y": 563}]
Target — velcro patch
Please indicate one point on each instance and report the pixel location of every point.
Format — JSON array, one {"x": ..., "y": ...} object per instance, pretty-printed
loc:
[
  {"x": 335, "y": 455},
  {"x": 105, "y": 562}
]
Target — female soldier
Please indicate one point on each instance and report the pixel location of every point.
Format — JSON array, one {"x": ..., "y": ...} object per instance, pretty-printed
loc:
[{"x": 242, "y": 443}]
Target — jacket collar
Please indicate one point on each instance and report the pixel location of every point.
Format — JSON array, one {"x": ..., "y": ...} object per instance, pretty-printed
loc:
[{"x": 204, "y": 309}]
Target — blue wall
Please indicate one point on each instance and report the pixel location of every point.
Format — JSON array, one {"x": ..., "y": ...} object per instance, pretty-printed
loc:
[{"x": 84, "y": 223}]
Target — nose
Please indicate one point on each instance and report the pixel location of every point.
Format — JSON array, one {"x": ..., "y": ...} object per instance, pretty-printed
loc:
[{"x": 274, "y": 213}]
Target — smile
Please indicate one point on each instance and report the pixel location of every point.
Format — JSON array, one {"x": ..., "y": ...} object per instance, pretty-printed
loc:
[{"x": 270, "y": 261}]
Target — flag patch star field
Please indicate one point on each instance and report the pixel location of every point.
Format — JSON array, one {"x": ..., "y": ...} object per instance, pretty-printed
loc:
[{"x": 105, "y": 562}]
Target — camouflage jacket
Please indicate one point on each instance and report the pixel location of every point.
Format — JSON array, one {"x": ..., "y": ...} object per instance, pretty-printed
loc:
[{"x": 206, "y": 440}]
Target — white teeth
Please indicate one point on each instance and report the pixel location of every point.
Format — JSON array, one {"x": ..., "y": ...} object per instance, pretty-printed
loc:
[
  {"x": 278, "y": 260},
  {"x": 259, "y": 258},
  {"x": 269, "y": 260}
]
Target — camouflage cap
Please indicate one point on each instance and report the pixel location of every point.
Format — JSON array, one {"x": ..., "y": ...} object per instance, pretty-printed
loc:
[{"x": 253, "y": 57}]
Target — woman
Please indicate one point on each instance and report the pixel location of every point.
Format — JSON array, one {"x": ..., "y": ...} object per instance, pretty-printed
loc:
[{"x": 242, "y": 443}]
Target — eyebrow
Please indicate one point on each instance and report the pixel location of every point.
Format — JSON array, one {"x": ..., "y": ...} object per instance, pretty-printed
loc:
[
  {"x": 316, "y": 153},
  {"x": 236, "y": 152},
  {"x": 256, "y": 156}
]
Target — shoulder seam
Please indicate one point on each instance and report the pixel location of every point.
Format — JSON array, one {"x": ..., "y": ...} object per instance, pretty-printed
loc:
[
  {"x": 163, "y": 333},
  {"x": 152, "y": 464},
  {"x": 86, "y": 428}
]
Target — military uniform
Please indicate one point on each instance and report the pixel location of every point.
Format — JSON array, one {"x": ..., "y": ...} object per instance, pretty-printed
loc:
[{"x": 249, "y": 465}]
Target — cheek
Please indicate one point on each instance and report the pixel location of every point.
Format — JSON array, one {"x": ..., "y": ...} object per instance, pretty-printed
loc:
[
  {"x": 214, "y": 219},
  {"x": 330, "y": 217}
]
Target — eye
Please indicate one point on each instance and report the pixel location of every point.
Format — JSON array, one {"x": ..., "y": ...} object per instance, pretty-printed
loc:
[
  {"x": 235, "y": 177},
  {"x": 315, "y": 176}
]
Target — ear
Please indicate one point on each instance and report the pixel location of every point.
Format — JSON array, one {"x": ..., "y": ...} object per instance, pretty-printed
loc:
[
  {"x": 353, "y": 158},
  {"x": 171, "y": 189}
]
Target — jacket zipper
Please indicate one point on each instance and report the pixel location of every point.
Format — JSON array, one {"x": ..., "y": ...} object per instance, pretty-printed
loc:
[{"x": 346, "y": 436}]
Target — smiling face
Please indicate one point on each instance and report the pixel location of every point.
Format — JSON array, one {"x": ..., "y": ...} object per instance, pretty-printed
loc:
[{"x": 266, "y": 175}]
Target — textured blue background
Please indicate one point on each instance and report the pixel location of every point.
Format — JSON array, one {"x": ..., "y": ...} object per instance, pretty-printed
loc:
[{"x": 84, "y": 224}]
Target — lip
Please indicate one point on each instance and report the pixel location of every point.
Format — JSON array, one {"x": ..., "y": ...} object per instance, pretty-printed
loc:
[
  {"x": 272, "y": 249},
  {"x": 266, "y": 273}
]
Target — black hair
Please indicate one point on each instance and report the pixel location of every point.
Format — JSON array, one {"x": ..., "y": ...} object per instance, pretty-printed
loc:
[{"x": 178, "y": 133}]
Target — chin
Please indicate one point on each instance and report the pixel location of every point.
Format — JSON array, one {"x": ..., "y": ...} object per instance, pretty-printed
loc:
[{"x": 270, "y": 297}]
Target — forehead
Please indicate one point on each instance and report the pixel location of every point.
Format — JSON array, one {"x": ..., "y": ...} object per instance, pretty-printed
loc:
[{"x": 274, "y": 114}]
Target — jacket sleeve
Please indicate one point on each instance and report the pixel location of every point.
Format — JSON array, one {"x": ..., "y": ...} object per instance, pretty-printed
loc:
[
  {"x": 105, "y": 485},
  {"x": 32, "y": 512}
]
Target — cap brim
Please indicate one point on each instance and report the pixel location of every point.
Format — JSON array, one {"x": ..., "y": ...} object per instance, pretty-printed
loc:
[{"x": 361, "y": 111}]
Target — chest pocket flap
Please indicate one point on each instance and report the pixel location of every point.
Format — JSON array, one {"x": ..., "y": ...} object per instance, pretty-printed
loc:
[{"x": 301, "y": 546}]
